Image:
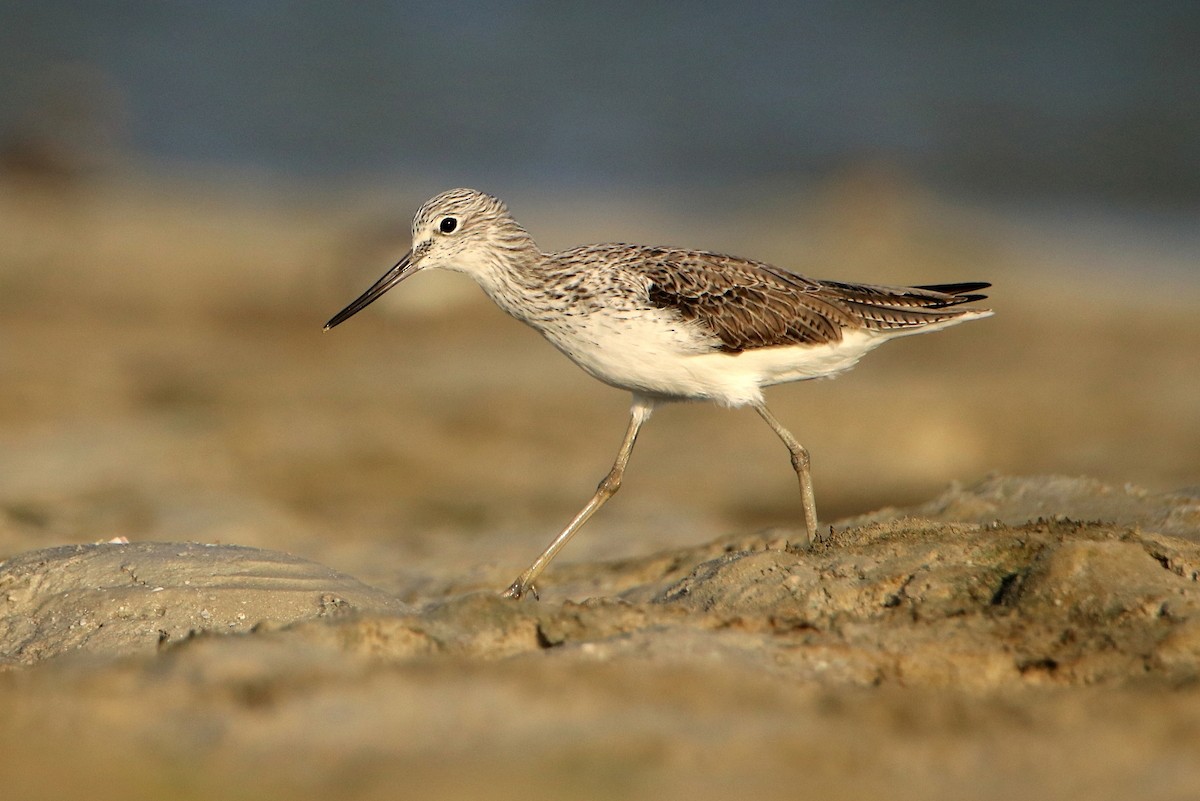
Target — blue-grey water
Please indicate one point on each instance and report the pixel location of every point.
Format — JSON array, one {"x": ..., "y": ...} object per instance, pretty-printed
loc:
[{"x": 1061, "y": 99}]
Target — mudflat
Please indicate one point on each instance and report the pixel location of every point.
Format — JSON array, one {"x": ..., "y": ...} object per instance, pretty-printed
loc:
[{"x": 319, "y": 525}]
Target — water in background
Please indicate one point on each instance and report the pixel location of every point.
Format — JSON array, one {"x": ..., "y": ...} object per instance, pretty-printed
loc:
[{"x": 1026, "y": 99}]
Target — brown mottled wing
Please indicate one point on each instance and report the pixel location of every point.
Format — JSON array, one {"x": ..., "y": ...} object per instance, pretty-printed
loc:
[{"x": 749, "y": 304}]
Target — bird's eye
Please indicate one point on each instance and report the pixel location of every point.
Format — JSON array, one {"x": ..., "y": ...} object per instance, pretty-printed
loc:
[{"x": 448, "y": 225}]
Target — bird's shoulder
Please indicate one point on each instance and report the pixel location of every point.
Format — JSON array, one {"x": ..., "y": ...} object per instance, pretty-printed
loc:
[
  {"x": 694, "y": 272},
  {"x": 743, "y": 303},
  {"x": 746, "y": 304}
]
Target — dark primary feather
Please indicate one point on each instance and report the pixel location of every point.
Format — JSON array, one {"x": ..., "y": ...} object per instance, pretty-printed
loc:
[
  {"x": 748, "y": 304},
  {"x": 958, "y": 289}
]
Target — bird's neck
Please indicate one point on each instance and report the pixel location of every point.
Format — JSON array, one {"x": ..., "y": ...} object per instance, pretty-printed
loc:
[{"x": 509, "y": 274}]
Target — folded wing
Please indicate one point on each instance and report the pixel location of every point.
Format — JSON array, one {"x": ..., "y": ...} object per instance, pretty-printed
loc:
[{"x": 748, "y": 304}]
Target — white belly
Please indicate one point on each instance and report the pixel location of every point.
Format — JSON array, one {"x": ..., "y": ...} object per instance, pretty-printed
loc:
[{"x": 656, "y": 355}]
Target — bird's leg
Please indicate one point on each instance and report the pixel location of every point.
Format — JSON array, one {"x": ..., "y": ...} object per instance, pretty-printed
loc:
[
  {"x": 608, "y": 487},
  {"x": 800, "y": 463}
]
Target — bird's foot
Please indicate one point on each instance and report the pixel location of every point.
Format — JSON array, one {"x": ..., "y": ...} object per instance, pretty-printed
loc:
[
  {"x": 519, "y": 589},
  {"x": 818, "y": 536}
]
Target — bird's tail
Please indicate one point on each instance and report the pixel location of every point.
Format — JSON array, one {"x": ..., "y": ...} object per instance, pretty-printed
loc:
[
  {"x": 909, "y": 308},
  {"x": 965, "y": 292}
]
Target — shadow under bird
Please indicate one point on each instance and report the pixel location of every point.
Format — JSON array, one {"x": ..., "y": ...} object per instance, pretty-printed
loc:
[{"x": 668, "y": 324}]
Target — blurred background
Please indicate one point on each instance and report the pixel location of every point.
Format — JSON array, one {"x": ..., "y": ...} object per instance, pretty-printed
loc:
[
  {"x": 1051, "y": 99},
  {"x": 188, "y": 191}
]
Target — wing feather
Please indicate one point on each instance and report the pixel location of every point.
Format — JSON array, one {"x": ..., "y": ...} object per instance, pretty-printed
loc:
[{"x": 748, "y": 304}]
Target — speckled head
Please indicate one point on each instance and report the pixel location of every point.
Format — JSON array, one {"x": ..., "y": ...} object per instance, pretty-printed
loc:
[{"x": 464, "y": 230}]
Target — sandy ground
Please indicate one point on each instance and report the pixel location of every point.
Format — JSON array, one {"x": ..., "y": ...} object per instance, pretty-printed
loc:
[{"x": 319, "y": 524}]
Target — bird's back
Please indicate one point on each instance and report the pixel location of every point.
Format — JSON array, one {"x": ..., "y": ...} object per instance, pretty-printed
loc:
[
  {"x": 747, "y": 304},
  {"x": 693, "y": 324}
]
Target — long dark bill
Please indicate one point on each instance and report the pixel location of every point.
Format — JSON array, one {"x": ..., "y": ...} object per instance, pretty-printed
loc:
[{"x": 403, "y": 269}]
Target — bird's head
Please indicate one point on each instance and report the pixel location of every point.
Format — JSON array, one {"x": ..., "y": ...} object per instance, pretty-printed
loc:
[{"x": 464, "y": 230}]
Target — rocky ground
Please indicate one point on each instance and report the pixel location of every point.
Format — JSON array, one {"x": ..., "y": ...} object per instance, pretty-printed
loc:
[{"x": 318, "y": 525}]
